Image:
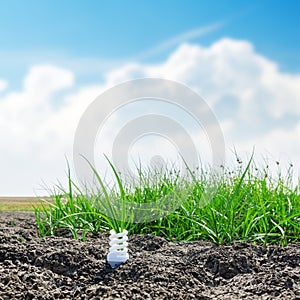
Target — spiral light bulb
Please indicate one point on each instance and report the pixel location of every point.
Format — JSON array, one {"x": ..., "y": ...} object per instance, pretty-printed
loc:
[{"x": 118, "y": 252}]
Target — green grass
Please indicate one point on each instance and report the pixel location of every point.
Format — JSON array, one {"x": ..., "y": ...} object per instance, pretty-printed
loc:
[{"x": 245, "y": 204}]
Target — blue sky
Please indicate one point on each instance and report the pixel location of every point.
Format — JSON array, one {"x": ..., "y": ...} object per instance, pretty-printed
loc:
[
  {"x": 39, "y": 31},
  {"x": 243, "y": 57}
]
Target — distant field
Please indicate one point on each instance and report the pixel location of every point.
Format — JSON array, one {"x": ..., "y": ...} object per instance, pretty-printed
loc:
[{"x": 19, "y": 203}]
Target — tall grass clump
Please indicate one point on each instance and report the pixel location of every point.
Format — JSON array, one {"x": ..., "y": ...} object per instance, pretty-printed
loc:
[{"x": 246, "y": 204}]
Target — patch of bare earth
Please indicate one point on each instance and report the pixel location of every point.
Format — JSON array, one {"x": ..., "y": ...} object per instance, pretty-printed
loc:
[{"x": 63, "y": 268}]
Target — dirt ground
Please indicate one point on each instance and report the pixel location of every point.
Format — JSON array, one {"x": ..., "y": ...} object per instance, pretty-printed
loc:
[{"x": 63, "y": 268}]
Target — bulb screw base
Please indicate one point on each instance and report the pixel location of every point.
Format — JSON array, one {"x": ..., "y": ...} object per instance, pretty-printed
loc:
[{"x": 118, "y": 251}]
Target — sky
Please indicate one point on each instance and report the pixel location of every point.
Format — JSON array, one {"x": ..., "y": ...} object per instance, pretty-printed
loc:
[{"x": 56, "y": 57}]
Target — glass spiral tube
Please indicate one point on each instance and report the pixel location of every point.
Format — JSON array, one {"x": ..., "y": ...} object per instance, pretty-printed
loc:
[{"x": 118, "y": 252}]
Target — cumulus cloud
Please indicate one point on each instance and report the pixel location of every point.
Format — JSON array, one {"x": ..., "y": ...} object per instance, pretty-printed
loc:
[
  {"x": 25, "y": 113},
  {"x": 3, "y": 85},
  {"x": 29, "y": 146},
  {"x": 234, "y": 79},
  {"x": 255, "y": 103}
]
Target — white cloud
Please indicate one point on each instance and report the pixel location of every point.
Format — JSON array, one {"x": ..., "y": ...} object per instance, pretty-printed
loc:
[
  {"x": 229, "y": 69},
  {"x": 255, "y": 102},
  {"x": 25, "y": 113},
  {"x": 29, "y": 146},
  {"x": 279, "y": 143},
  {"x": 46, "y": 79},
  {"x": 3, "y": 85}
]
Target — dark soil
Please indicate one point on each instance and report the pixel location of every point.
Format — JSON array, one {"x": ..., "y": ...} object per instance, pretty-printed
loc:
[{"x": 63, "y": 268}]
